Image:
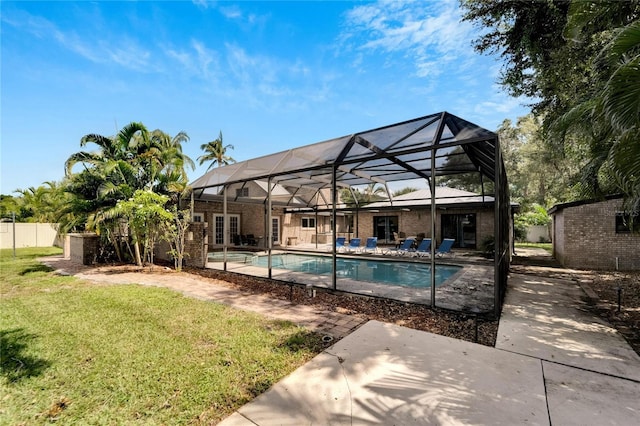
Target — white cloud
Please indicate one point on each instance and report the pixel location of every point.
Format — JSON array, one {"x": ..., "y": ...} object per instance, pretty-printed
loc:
[
  {"x": 430, "y": 34},
  {"x": 124, "y": 51},
  {"x": 231, "y": 12},
  {"x": 247, "y": 21},
  {"x": 204, "y": 4}
]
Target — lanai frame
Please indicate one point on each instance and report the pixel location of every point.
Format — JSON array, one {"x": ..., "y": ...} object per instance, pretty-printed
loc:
[{"x": 422, "y": 148}]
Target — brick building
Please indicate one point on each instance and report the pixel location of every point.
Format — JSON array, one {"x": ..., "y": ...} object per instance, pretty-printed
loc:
[
  {"x": 596, "y": 235},
  {"x": 466, "y": 217}
]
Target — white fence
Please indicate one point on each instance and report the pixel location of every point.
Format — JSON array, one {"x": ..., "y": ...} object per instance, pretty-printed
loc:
[
  {"x": 29, "y": 235},
  {"x": 538, "y": 233}
]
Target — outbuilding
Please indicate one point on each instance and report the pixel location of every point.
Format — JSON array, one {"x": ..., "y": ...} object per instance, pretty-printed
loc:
[{"x": 596, "y": 234}]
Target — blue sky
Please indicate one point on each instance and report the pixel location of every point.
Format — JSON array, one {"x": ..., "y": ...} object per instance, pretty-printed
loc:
[{"x": 269, "y": 75}]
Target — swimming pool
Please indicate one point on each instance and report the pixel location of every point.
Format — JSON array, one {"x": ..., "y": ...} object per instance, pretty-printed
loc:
[
  {"x": 408, "y": 274},
  {"x": 232, "y": 256}
]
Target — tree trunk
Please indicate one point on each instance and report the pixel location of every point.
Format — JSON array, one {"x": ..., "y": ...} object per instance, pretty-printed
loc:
[{"x": 136, "y": 247}]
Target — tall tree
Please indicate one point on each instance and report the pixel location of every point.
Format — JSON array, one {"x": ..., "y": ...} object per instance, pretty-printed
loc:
[
  {"x": 535, "y": 173},
  {"x": 135, "y": 159},
  {"x": 216, "y": 152},
  {"x": 578, "y": 60},
  {"x": 369, "y": 194},
  {"x": 405, "y": 190}
]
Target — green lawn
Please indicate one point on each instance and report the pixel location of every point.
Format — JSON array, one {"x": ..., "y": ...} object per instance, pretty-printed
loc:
[
  {"x": 82, "y": 353},
  {"x": 547, "y": 246}
]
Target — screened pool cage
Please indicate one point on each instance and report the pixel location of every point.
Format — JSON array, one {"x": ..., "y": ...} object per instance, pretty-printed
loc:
[{"x": 309, "y": 181}]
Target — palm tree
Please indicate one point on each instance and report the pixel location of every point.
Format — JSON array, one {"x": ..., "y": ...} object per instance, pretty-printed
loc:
[
  {"x": 609, "y": 119},
  {"x": 172, "y": 158},
  {"x": 43, "y": 202},
  {"x": 134, "y": 159},
  {"x": 215, "y": 152},
  {"x": 621, "y": 104},
  {"x": 373, "y": 192},
  {"x": 123, "y": 147}
]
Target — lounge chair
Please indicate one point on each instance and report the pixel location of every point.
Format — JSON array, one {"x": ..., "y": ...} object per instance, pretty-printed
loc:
[
  {"x": 370, "y": 246},
  {"x": 339, "y": 243},
  {"x": 404, "y": 248},
  {"x": 424, "y": 248},
  {"x": 354, "y": 245},
  {"x": 445, "y": 248}
]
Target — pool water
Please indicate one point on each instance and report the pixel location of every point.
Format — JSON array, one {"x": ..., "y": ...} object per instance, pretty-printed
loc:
[
  {"x": 408, "y": 274},
  {"x": 232, "y": 256}
]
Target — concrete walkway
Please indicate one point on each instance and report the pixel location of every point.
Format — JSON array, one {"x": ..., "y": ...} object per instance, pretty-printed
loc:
[{"x": 554, "y": 363}]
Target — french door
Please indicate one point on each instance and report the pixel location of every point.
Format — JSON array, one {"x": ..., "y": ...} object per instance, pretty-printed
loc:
[
  {"x": 218, "y": 227},
  {"x": 275, "y": 230}
]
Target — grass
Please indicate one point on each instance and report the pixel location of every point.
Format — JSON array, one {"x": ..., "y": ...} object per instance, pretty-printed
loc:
[
  {"x": 76, "y": 352},
  {"x": 547, "y": 246}
]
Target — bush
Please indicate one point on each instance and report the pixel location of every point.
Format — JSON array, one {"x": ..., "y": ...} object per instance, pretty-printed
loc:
[
  {"x": 536, "y": 216},
  {"x": 488, "y": 246},
  {"x": 520, "y": 231}
]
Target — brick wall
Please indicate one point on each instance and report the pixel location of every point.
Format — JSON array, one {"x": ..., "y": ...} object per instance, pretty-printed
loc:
[
  {"x": 252, "y": 219},
  {"x": 413, "y": 222},
  {"x": 586, "y": 238},
  {"x": 196, "y": 247},
  {"x": 292, "y": 227},
  {"x": 558, "y": 236}
]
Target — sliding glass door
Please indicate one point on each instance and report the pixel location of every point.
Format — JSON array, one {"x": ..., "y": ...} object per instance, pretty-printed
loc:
[{"x": 384, "y": 227}]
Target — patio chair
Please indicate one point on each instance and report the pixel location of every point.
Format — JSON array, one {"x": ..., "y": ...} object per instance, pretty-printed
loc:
[
  {"x": 371, "y": 246},
  {"x": 424, "y": 248},
  {"x": 339, "y": 243},
  {"x": 404, "y": 248},
  {"x": 354, "y": 245},
  {"x": 445, "y": 248}
]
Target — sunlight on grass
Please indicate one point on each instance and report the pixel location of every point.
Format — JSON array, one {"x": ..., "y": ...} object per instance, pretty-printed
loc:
[
  {"x": 88, "y": 353},
  {"x": 546, "y": 246}
]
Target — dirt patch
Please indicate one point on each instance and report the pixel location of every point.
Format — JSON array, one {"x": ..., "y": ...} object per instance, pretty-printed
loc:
[{"x": 625, "y": 317}]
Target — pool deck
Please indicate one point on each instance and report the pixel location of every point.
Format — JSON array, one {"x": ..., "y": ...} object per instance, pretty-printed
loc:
[{"x": 470, "y": 290}]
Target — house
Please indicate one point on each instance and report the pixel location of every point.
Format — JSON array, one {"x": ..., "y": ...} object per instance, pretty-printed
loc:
[
  {"x": 596, "y": 234},
  {"x": 292, "y": 218},
  {"x": 464, "y": 216}
]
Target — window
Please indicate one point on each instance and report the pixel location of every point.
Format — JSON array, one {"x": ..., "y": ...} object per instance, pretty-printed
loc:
[
  {"x": 275, "y": 230},
  {"x": 308, "y": 222},
  {"x": 627, "y": 222},
  {"x": 242, "y": 192},
  {"x": 198, "y": 217}
]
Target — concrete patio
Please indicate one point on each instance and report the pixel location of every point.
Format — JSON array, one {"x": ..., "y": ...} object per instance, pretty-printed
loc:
[{"x": 554, "y": 363}]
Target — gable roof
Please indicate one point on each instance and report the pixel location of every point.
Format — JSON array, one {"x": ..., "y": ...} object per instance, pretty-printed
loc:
[{"x": 444, "y": 196}]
